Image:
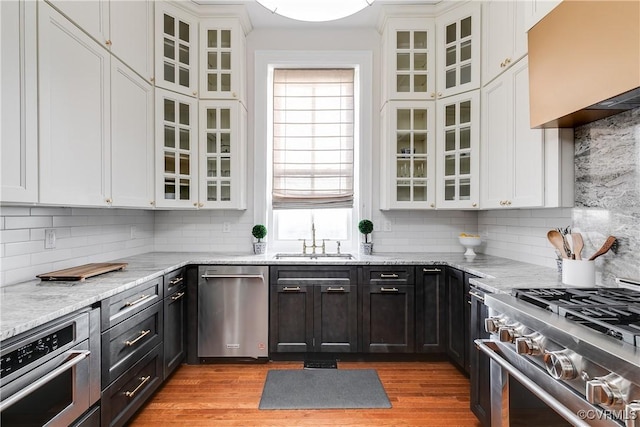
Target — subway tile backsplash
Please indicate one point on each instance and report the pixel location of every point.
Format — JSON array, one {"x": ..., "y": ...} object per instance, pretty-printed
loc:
[{"x": 83, "y": 235}]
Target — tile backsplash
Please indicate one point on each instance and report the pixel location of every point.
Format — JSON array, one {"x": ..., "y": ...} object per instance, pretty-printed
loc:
[{"x": 82, "y": 236}]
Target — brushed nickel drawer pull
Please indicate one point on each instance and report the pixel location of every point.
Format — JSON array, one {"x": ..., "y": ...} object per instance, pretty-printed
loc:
[
  {"x": 431, "y": 270},
  {"x": 176, "y": 280},
  {"x": 388, "y": 276},
  {"x": 143, "y": 381},
  {"x": 142, "y": 335},
  {"x": 291, "y": 288},
  {"x": 138, "y": 301},
  {"x": 340, "y": 289},
  {"x": 388, "y": 289},
  {"x": 177, "y": 296}
]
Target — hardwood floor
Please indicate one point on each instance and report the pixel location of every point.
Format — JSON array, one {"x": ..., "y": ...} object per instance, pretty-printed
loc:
[{"x": 421, "y": 393}]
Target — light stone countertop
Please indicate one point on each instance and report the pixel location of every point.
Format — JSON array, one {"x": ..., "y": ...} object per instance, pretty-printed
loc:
[{"x": 30, "y": 304}]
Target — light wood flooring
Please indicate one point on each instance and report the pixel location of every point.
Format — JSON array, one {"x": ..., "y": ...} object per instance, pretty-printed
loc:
[{"x": 421, "y": 393}]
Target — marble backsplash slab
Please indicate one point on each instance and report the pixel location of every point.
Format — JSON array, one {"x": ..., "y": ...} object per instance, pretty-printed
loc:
[{"x": 607, "y": 191}]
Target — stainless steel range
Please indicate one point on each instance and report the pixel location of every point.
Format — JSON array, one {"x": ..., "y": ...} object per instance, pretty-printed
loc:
[{"x": 568, "y": 356}]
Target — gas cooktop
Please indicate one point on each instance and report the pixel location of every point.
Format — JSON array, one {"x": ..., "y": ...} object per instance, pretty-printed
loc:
[{"x": 612, "y": 311}]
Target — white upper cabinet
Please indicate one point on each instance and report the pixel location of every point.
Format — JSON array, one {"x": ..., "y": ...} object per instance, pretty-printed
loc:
[
  {"x": 132, "y": 110},
  {"x": 176, "y": 150},
  {"x": 92, "y": 16},
  {"x": 458, "y": 50},
  {"x": 222, "y": 63},
  {"x": 504, "y": 38},
  {"x": 132, "y": 34},
  {"x": 408, "y": 156},
  {"x": 18, "y": 109},
  {"x": 536, "y": 10},
  {"x": 408, "y": 59},
  {"x": 74, "y": 108},
  {"x": 176, "y": 49},
  {"x": 222, "y": 155},
  {"x": 458, "y": 139}
]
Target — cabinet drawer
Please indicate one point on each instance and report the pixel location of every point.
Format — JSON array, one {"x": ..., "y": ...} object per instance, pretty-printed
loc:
[
  {"x": 388, "y": 274},
  {"x": 174, "y": 280},
  {"x": 120, "y": 307},
  {"x": 123, "y": 344},
  {"x": 125, "y": 396}
]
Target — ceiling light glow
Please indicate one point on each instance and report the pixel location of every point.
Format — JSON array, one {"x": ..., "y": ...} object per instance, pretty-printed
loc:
[{"x": 315, "y": 10}]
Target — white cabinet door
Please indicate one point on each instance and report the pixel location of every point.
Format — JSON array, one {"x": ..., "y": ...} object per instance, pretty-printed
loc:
[
  {"x": 222, "y": 59},
  {"x": 132, "y": 112},
  {"x": 504, "y": 39},
  {"x": 18, "y": 109},
  {"x": 409, "y": 155},
  {"x": 74, "y": 113},
  {"x": 458, "y": 139},
  {"x": 458, "y": 50},
  {"x": 176, "y": 49},
  {"x": 513, "y": 163},
  {"x": 538, "y": 9},
  {"x": 408, "y": 59},
  {"x": 92, "y": 16},
  {"x": 222, "y": 155},
  {"x": 176, "y": 150},
  {"x": 132, "y": 34}
]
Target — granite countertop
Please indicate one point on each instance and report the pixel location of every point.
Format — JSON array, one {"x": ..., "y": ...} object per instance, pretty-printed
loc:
[{"x": 30, "y": 304}]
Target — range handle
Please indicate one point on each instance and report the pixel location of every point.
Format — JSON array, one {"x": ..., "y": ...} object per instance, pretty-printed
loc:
[{"x": 233, "y": 276}]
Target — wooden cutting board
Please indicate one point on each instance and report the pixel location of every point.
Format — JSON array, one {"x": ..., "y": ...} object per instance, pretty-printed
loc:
[{"x": 83, "y": 271}]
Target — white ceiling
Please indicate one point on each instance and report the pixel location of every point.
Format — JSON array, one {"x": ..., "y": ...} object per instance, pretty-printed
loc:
[{"x": 263, "y": 18}]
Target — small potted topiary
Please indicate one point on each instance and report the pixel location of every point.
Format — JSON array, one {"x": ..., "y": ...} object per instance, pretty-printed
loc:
[
  {"x": 259, "y": 231},
  {"x": 366, "y": 227}
]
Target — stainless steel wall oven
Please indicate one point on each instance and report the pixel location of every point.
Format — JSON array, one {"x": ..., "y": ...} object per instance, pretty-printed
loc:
[
  {"x": 50, "y": 377},
  {"x": 568, "y": 357}
]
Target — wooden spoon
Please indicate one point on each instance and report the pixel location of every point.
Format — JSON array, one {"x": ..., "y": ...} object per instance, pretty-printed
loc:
[
  {"x": 557, "y": 241},
  {"x": 605, "y": 248},
  {"x": 578, "y": 244}
]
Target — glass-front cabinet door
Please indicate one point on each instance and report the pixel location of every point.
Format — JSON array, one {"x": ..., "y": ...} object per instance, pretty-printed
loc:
[
  {"x": 409, "y": 162},
  {"x": 458, "y": 150},
  {"x": 176, "y": 150},
  {"x": 459, "y": 50},
  {"x": 222, "y": 49},
  {"x": 222, "y": 155},
  {"x": 176, "y": 50},
  {"x": 409, "y": 58}
]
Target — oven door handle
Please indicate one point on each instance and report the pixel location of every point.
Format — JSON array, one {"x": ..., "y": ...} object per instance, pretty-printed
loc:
[
  {"x": 78, "y": 356},
  {"x": 565, "y": 412}
]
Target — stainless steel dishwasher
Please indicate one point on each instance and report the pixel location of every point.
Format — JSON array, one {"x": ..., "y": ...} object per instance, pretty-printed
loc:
[{"x": 233, "y": 311}]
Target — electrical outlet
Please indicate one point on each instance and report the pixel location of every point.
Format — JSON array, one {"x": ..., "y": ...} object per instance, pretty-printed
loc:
[
  {"x": 387, "y": 225},
  {"x": 134, "y": 232},
  {"x": 49, "y": 238},
  {"x": 226, "y": 227}
]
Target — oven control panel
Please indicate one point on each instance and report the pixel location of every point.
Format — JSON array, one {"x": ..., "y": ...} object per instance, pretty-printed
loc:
[{"x": 33, "y": 350}]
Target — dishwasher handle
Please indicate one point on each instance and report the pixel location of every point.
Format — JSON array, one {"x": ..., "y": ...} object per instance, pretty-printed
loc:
[{"x": 233, "y": 276}]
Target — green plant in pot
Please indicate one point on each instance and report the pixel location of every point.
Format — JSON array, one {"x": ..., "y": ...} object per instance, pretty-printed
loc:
[
  {"x": 366, "y": 227},
  {"x": 259, "y": 231}
]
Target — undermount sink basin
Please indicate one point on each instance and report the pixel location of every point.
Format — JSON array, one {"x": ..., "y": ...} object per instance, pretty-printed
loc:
[{"x": 313, "y": 256}]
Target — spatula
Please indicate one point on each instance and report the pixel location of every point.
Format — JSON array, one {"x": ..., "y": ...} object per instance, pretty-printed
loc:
[
  {"x": 578, "y": 244},
  {"x": 557, "y": 241},
  {"x": 605, "y": 248}
]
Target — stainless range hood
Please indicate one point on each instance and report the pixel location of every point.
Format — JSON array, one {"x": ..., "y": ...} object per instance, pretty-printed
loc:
[{"x": 584, "y": 62}]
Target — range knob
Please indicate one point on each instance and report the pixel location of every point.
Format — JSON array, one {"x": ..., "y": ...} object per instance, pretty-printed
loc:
[
  {"x": 601, "y": 392},
  {"x": 632, "y": 414},
  {"x": 559, "y": 365},
  {"x": 493, "y": 324},
  {"x": 528, "y": 345},
  {"x": 508, "y": 333}
]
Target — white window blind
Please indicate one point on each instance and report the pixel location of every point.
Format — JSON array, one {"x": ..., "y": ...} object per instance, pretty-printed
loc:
[{"x": 313, "y": 123}]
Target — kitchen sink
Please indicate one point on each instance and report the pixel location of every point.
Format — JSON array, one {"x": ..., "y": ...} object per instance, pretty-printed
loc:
[{"x": 312, "y": 256}]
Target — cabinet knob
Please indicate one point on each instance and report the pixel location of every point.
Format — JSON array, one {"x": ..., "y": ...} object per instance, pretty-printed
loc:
[
  {"x": 195, "y": 93},
  {"x": 108, "y": 200},
  {"x": 108, "y": 42},
  {"x": 234, "y": 94},
  {"x": 152, "y": 203},
  {"x": 475, "y": 205},
  {"x": 200, "y": 204},
  {"x": 195, "y": 205},
  {"x": 507, "y": 61},
  {"x": 433, "y": 205},
  {"x": 433, "y": 95},
  {"x": 152, "y": 79},
  {"x": 439, "y": 94}
]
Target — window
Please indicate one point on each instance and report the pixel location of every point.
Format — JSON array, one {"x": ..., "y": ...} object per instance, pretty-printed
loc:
[{"x": 313, "y": 130}]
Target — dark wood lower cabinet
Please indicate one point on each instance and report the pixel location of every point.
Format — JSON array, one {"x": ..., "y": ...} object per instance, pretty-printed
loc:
[
  {"x": 457, "y": 318},
  {"x": 388, "y": 319},
  {"x": 430, "y": 309},
  {"x": 313, "y": 309}
]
